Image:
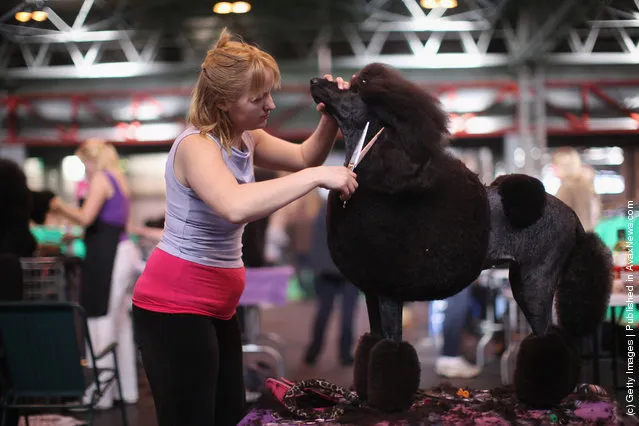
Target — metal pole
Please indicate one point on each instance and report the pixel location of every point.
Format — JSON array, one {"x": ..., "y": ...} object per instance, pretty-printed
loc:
[{"x": 540, "y": 144}]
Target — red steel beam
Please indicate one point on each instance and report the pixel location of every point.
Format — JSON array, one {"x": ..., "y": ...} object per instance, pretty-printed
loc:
[{"x": 579, "y": 124}]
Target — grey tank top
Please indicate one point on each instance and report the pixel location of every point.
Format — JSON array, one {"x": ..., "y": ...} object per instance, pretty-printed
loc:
[{"x": 192, "y": 230}]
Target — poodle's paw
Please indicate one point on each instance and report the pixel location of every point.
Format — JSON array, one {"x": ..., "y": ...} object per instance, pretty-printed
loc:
[
  {"x": 393, "y": 376},
  {"x": 360, "y": 367},
  {"x": 546, "y": 370}
]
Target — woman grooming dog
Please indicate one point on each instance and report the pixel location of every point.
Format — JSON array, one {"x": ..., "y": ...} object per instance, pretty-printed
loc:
[{"x": 185, "y": 301}]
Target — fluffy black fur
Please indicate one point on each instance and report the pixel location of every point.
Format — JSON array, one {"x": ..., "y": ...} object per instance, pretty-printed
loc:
[
  {"x": 40, "y": 205},
  {"x": 421, "y": 226},
  {"x": 360, "y": 367},
  {"x": 544, "y": 387},
  {"x": 392, "y": 389},
  {"x": 523, "y": 198},
  {"x": 581, "y": 278},
  {"x": 16, "y": 202}
]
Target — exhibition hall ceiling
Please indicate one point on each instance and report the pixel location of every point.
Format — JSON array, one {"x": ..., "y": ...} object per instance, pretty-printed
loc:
[{"x": 126, "y": 38}]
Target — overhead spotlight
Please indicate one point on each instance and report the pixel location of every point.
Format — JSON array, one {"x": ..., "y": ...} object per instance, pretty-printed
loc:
[
  {"x": 433, "y": 4},
  {"x": 241, "y": 7},
  {"x": 223, "y": 8},
  {"x": 23, "y": 16},
  {"x": 39, "y": 15}
]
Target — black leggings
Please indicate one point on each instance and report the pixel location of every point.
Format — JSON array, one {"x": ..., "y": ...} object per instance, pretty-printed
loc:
[{"x": 194, "y": 367}]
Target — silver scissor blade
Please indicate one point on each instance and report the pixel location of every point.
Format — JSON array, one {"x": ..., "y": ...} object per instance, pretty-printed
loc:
[{"x": 359, "y": 146}]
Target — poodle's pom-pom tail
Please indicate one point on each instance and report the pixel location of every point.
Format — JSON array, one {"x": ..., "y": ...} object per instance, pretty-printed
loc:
[
  {"x": 583, "y": 293},
  {"x": 547, "y": 386},
  {"x": 360, "y": 368},
  {"x": 393, "y": 376},
  {"x": 523, "y": 198}
]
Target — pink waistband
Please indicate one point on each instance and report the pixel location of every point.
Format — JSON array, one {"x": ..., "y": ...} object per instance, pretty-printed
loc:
[{"x": 177, "y": 286}]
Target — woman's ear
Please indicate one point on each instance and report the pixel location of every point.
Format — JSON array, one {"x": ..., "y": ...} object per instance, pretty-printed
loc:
[{"x": 223, "y": 106}]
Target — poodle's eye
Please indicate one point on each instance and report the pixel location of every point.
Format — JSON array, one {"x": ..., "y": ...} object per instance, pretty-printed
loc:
[{"x": 363, "y": 81}]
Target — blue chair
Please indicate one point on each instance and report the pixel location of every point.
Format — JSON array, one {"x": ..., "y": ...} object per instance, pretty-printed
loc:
[{"x": 43, "y": 362}]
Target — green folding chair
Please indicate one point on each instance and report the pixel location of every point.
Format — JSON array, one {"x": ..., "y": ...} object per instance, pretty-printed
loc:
[{"x": 43, "y": 361}]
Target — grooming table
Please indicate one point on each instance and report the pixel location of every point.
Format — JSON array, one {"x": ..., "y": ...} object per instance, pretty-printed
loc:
[{"x": 442, "y": 406}]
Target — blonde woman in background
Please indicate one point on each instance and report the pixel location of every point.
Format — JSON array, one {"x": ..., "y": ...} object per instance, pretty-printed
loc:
[
  {"x": 109, "y": 266},
  {"x": 577, "y": 186}
]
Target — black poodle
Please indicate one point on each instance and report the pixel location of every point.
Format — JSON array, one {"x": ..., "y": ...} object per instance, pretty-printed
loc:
[
  {"x": 19, "y": 206},
  {"x": 421, "y": 226}
]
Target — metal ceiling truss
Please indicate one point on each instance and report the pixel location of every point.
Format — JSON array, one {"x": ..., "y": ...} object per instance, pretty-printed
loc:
[
  {"x": 81, "y": 49},
  {"x": 613, "y": 38},
  {"x": 433, "y": 39},
  {"x": 477, "y": 109},
  {"x": 396, "y": 32}
]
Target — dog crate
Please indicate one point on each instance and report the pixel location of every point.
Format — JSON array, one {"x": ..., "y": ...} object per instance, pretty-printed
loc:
[{"x": 43, "y": 278}]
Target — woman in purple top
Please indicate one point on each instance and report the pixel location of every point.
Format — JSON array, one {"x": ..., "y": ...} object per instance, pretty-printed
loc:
[{"x": 108, "y": 270}]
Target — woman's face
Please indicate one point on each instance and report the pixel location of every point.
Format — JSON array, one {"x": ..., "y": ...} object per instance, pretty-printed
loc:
[{"x": 251, "y": 111}]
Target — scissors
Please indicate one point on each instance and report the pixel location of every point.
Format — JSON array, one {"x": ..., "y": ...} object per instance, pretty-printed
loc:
[{"x": 361, "y": 150}]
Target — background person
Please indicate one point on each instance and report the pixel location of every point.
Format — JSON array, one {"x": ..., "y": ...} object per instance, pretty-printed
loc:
[{"x": 110, "y": 263}]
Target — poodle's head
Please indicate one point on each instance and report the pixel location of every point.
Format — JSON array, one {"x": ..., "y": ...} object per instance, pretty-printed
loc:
[
  {"x": 16, "y": 203},
  {"x": 382, "y": 96},
  {"x": 15, "y": 196},
  {"x": 346, "y": 106}
]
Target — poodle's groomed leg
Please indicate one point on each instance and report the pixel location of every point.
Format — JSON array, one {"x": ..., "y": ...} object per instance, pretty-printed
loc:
[
  {"x": 393, "y": 365},
  {"x": 364, "y": 346},
  {"x": 533, "y": 289}
]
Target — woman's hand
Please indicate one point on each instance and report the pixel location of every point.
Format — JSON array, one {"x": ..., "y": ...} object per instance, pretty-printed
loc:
[
  {"x": 338, "y": 178},
  {"x": 341, "y": 84}
]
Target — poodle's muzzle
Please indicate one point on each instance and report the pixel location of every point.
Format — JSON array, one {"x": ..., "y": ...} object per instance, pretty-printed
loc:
[{"x": 323, "y": 90}]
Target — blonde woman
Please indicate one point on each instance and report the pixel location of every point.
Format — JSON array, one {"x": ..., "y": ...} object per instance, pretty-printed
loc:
[
  {"x": 108, "y": 268},
  {"x": 576, "y": 189},
  {"x": 184, "y": 304}
]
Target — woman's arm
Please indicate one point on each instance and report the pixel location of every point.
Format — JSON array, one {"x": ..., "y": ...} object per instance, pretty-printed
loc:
[
  {"x": 277, "y": 154},
  {"x": 204, "y": 170},
  {"x": 153, "y": 234},
  {"x": 85, "y": 216}
]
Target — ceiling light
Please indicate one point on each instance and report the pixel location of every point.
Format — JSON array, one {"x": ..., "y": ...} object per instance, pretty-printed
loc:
[
  {"x": 241, "y": 7},
  {"x": 39, "y": 15},
  {"x": 23, "y": 16},
  {"x": 433, "y": 4},
  {"x": 223, "y": 8}
]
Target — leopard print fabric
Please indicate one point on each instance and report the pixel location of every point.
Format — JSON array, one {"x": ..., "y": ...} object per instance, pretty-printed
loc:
[{"x": 346, "y": 398}]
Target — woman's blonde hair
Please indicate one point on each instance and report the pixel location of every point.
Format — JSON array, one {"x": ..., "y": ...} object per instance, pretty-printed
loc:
[
  {"x": 103, "y": 154},
  {"x": 568, "y": 163},
  {"x": 225, "y": 72}
]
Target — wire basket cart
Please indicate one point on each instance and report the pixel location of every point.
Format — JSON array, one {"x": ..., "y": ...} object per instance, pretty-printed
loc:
[{"x": 43, "y": 278}]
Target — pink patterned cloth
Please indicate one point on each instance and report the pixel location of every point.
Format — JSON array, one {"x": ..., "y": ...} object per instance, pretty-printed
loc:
[{"x": 588, "y": 405}]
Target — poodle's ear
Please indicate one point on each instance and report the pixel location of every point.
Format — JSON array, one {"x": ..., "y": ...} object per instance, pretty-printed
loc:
[
  {"x": 40, "y": 205},
  {"x": 401, "y": 104}
]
